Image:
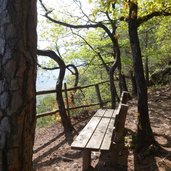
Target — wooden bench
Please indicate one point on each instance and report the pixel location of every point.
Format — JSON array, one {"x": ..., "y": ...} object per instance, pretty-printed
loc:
[{"x": 105, "y": 126}]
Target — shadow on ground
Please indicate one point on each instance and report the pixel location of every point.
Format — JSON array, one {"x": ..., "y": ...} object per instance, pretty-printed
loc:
[{"x": 53, "y": 153}]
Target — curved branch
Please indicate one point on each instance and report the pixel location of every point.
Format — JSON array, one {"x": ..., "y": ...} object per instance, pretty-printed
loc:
[
  {"x": 147, "y": 17},
  {"x": 87, "y": 26},
  {"x": 76, "y": 74},
  {"x": 52, "y": 55},
  {"x": 56, "y": 58},
  {"x": 71, "y": 25},
  {"x": 65, "y": 119},
  {"x": 46, "y": 68}
]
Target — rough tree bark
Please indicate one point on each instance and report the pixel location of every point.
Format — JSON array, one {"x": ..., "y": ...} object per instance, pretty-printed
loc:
[
  {"x": 147, "y": 71},
  {"x": 146, "y": 61},
  {"x": 145, "y": 135},
  {"x": 134, "y": 87},
  {"x": 18, "y": 43}
]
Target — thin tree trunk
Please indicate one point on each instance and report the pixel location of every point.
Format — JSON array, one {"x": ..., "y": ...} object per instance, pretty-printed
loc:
[
  {"x": 145, "y": 135},
  {"x": 64, "y": 118},
  {"x": 116, "y": 64},
  {"x": 134, "y": 87},
  {"x": 124, "y": 85},
  {"x": 147, "y": 71},
  {"x": 112, "y": 88},
  {"x": 146, "y": 61},
  {"x": 18, "y": 43}
]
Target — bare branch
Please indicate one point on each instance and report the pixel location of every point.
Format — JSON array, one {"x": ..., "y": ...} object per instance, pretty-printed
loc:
[
  {"x": 97, "y": 53},
  {"x": 112, "y": 22},
  {"x": 88, "y": 64},
  {"x": 71, "y": 25},
  {"x": 47, "y": 68},
  {"x": 58, "y": 51},
  {"x": 87, "y": 26},
  {"x": 44, "y": 7},
  {"x": 52, "y": 55},
  {"x": 80, "y": 7},
  {"x": 74, "y": 73}
]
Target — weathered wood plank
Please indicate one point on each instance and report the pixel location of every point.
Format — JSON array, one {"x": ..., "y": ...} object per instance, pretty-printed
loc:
[
  {"x": 108, "y": 113},
  {"x": 84, "y": 136},
  {"x": 120, "y": 122},
  {"x": 108, "y": 136},
  {"x": 98, "y": 135},
  {"x": 100, "y": 113}
]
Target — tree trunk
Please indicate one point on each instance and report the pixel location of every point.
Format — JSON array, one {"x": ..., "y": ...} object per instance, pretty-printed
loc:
[
  {"x": 145, "y": 135},
  {"x": 65, "y": 119},
  {"x": 146, "y": 61},
  {"x": 18, "y": 43},
  {"x": 134, "y": 87},
  {"x": 124, "y": 84},
  {"x": 116, "y": 64},
  {"x": 112, "y": 88},
  {"x": 66, "y": 122},
  {"x": 147, "y": 71}
]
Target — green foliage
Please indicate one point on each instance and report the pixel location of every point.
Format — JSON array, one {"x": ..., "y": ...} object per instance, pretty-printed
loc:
[
  {"x": 155, "y": 42},
  {"x": 130, "y": 141},
  {"x": 45, "y": 121},
  {"x": 46, "y": 103},
  {"x": 154, "y": 38}
]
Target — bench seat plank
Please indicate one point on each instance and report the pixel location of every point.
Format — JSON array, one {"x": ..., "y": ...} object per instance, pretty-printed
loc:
[
  {"x": 99, "y": 113},
  {"x": 83, "y": 138},
  {"x": 108, "y": 113},
  {"x": 105, "y": 126},
  {"x": 108, "y": 136},
  {"x": 98, "y": 135}
]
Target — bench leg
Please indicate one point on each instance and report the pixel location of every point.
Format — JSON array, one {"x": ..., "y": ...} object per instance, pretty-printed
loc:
[
  {"x": 86, "y": 159},
  {"x": 115, "y": 153},
  {"x": 116, "y": 150}
]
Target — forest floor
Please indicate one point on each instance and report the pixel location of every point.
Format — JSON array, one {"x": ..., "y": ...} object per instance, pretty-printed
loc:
[{"x": 53, "y": 153}]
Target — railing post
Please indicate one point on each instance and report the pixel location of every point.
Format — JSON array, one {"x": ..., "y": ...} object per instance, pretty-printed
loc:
[
  {"x": 67, "y": 102},
  {"x": 65, "y": 90},
  {"x": 99, "y": 95}
]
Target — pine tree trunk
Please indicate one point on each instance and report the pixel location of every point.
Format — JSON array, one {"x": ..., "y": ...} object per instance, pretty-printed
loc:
[{"x": 18, "y": 43}]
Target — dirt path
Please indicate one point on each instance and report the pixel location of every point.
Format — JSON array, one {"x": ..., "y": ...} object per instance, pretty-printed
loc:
[{"x": 52, "y": 152}]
